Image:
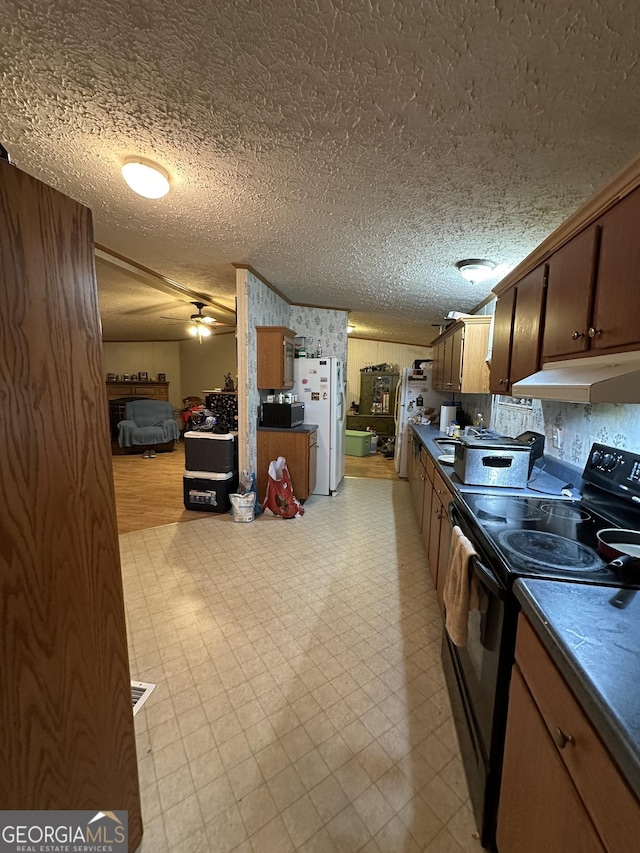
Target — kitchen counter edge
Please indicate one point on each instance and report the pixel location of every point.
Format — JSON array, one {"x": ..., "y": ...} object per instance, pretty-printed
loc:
[{"x": 300, "y": 428}]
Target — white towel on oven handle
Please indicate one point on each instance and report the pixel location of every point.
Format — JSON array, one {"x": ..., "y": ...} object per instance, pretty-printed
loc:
[{"x": 460, "y": 592}]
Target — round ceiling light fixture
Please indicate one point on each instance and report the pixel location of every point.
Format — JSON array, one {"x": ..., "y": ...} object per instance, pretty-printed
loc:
[
  {"x": 146, "y": 178},
  {"x": 475, "y": 270}
]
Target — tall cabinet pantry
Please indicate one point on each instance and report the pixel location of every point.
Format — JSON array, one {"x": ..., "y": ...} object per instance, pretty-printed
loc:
[{"x": 67, "y": 737}]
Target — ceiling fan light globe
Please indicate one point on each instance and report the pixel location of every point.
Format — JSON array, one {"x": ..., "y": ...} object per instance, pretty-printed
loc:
[
  {"x": 204, "y": 332},
  {"x": 193, "y": 330}
]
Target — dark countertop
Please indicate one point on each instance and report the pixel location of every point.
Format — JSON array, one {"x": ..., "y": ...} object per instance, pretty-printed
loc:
[
  {"x": 596, "y": 646},
  {"x": 299, "y": 428},
  {"x": 549, "y": 481}
]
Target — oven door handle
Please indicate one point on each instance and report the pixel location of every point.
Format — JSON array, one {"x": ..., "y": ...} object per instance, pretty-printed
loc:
[
  {"x": 488, "y": 579},
  {"x": 483, "y": 574}
]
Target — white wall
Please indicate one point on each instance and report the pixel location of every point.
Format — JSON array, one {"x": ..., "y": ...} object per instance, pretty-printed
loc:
[
  {"x": 203, "y": 366},
  {"x": 153, "y": 357},
  {"x": 362, "y": 353}
]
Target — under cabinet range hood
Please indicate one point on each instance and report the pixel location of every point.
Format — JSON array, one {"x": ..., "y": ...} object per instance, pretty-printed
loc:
[{"x": 594, "y": 379}]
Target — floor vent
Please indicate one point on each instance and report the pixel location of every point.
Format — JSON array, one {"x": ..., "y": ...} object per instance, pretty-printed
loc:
[{"x": 140, "y": 692}]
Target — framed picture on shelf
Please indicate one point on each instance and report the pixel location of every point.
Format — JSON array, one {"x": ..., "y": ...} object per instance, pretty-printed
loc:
[
  {"x": 162, "y": 377},
  {"x": 143, "y": 376},
  {"x": 125, "y": 377},
  {"x": 134, "y": 377},
  {"x": 111, "y": 377}
]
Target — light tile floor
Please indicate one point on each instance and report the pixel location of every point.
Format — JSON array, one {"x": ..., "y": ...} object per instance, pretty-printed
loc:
[{"x": 300, "y": 701}]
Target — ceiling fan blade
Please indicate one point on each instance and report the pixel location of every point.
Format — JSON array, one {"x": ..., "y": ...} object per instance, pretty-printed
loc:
[{"x": 177, "y": 319}]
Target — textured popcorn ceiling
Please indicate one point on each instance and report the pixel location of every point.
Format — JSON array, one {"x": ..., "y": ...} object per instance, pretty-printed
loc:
[{"x": 350, "y": 151}]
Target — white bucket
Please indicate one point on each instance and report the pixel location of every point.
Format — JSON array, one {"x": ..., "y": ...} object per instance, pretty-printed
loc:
[{"x": 243, "y": 507}]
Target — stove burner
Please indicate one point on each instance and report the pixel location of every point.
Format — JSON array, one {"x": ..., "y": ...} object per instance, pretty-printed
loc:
[
  {"x": 503, "y": 509},
  {"x": 549, "y": 551},
  {"x": 571, "y": 513}
]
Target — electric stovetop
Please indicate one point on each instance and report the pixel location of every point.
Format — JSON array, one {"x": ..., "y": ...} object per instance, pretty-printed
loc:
[{"x": 556, "y": 539}]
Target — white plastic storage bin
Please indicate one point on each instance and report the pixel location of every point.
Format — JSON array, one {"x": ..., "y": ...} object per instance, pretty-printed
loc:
[
  {"x": 210, "y": 451},
  {"x": 207, "y": 492}
]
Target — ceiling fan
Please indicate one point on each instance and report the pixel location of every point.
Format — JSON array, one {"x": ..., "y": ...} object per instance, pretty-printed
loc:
[{"x": 199, "y": 324}]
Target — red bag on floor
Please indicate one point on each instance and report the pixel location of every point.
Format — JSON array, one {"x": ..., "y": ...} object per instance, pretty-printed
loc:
[{"x": 280, "y": 499}]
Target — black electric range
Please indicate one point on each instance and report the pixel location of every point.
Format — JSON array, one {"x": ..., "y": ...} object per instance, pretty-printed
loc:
[
  {"x": 556, "y": 538},
  {"x": 547, "y": 537}
]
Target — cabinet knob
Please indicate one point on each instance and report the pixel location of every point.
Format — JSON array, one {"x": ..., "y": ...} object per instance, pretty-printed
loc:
[
  {"x": 502, "y": 381},
  {"x": 594, "y": 333},
  {"x": 449, "y": 384},
  {"x": 561, "y": 739},
  {"x": 576, "y": 335}
]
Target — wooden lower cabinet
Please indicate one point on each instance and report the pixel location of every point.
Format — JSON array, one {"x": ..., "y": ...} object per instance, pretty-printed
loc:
[
  {"x": 439, "y": 536},
  {"x": 299, "y": 449},
  {"x": 539, "y": 806},
  {"x": 435, "y": 526},
  {"x": 417, "y": 476},
  {"x": 561, "y": 789}
]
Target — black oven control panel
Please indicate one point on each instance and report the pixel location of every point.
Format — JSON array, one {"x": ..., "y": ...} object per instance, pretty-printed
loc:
[{"x": 616, "y": 471}]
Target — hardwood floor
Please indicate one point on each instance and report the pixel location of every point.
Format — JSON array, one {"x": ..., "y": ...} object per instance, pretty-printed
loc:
[
  {"x": 373, "y": 467},
  {"x": 149, "y": 491}
]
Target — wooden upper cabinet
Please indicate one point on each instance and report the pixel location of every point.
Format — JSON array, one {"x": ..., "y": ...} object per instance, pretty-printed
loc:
[
  {"x": 501, "y": 349},
  {"x": 517, "y": 331},
  {"x": 615, "y": 321},
  {"x": 453, "y": 360},
  {"x": 460, "y": 357},
  {"x": 275, "y": 357},
  {"x": 527, "y": 320},
  {"x": 569, "y": 296}
]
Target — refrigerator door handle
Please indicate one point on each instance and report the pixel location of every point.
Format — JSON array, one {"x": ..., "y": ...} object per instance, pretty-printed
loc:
[{"x": 396, "y": 413}]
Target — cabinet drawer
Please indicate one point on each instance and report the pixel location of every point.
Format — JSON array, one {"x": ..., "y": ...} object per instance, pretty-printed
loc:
[{"x": 612, "y": 806}]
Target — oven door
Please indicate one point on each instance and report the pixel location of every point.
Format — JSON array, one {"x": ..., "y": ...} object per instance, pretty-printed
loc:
[{"x": 478, "y": 690}]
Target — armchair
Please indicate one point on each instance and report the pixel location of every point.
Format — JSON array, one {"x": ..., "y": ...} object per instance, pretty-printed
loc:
[{"x": 148, "y": 424}]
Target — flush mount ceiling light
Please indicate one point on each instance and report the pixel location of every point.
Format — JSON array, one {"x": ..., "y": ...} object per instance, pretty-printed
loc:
[
  {"x": 475, "y": 269},
  {"x": 146, "y": 178}
]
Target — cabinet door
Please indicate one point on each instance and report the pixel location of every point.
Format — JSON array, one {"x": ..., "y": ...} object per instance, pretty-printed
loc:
[
  {"x": 287, "y": 365},
  {"x": 427, "y": 503},
  {"x": 501, "y": 348},
  {"x": 569, "y": 290},
  {"x": 438, "y": 366},
  {"x": 433, "y": 541},
  {"x": 525, "y": 343},
  {"x": 453, "y": 364},
  {"x": 444, "y": 547},
  {"x": 615, "y": 323},
  {"x": 539, "y": 806}
]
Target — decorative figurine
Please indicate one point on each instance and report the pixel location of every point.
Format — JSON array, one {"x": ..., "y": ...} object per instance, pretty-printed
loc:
[{"x": 228, "y": 383}]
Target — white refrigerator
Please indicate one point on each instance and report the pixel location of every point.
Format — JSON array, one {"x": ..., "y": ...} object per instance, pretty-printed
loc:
[
  {"x": 414, "y": 392},
  {"x": 320, "y": 383}
]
